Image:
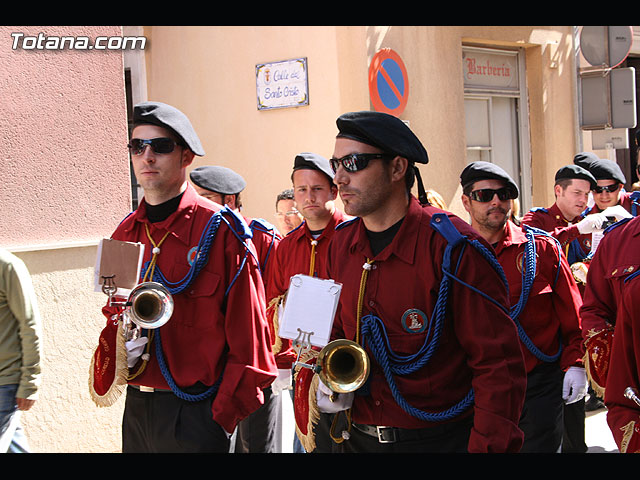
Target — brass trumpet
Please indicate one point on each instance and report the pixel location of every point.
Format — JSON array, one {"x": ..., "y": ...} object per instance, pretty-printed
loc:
[
  {"x": 343, "y": 366},
  {"x": 150, "y": 305}
]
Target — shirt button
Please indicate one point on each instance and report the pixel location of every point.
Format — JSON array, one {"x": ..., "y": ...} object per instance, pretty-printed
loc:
[{"x": 372, "y": 303}]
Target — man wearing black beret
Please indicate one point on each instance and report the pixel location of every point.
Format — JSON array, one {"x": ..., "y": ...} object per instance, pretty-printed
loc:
[
  {"x": 609, "y": 191},
  {"x": 568, "y": 222},
  {"x": 261, "y": 431},
  {"x": 566, "y": 219},
  {"x": 436, "y": 337},
  {"x": 206, "y": 368},
  {"x": 304, "y": 249},
  {"x": 548, "y": 316}
]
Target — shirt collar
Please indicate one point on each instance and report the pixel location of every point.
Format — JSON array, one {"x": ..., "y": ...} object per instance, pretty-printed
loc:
[
  {"x": 403, "y": 244},
  {"x": 513, "y": 235},
  {"x": 337, "y": 217},
  {"x": 181, "y": 230}
]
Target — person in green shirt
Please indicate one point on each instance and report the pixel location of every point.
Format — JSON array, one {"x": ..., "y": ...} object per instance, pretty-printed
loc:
[{"x": 20, "y": 333}]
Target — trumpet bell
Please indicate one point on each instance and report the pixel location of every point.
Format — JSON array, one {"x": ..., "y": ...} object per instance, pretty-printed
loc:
[
  {"x": 343, "y": 366},
  {"x": 151, "y": 305}
]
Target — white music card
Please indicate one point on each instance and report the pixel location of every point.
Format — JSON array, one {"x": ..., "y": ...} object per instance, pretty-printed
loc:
[{"x": 310, "y": 307}]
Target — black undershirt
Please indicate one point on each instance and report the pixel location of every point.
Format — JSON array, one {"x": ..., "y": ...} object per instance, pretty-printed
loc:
[
  {"x": 158, "y": 213},
  {"x": 379, "y": 240}
]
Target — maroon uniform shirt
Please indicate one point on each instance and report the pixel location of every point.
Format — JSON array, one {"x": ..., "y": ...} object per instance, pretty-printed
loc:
[
  {"x": 293, "y": 256},
  {"x": 614, "y": 261},
  {"x": 623, "y": 414},
  {"x": 211, "y": 333},
  {"x": 551, "y": 313},
  {"x": 479, "y": 345},
  {"x": 266, "y": 239},
  {"x": 566, "y": 232}
]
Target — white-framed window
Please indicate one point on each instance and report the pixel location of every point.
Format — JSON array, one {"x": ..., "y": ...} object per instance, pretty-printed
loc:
[{"x": 496, "y": 115}]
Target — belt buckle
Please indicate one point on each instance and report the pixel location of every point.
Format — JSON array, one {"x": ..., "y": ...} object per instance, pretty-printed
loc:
[
  {"x": 384, "y": 433},
  {"x": 146, "y": 389}
]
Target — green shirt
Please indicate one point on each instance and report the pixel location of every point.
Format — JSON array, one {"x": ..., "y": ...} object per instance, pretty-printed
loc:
[{"x": 20, "y": 327}]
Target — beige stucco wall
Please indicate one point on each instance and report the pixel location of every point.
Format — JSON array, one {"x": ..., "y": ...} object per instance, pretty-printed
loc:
[
  {"x": 65, "y": 185},
  {"x": 210, "y": 73}
]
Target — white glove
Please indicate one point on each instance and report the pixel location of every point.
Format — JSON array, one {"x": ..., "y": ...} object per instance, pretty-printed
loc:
[
  {"x": 617, "y": 211},
  {"x": 134, "y": 350},
  {"x": 574, "y": 386},
  {"x": 283, "y": 382},
  {"x": 591, "y": 223},
  {"x": 340, "y": 402}
]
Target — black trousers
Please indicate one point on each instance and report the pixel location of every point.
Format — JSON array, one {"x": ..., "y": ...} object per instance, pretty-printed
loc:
[
  {"x": 261, "y": 432},
  {"x": 161, "y": 422},
  {"x": 573, "y": 440},
  {"x": 542, "y": 415}
]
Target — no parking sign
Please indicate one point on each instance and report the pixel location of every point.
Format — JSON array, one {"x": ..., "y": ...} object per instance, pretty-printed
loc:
[{"x": 388, "y": 82}]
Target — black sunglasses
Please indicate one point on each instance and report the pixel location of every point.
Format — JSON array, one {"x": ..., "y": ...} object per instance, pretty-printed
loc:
[
  {"x": 486, "y": 194},
  {"x": 355, "y": 161},
  {"x": 607, "y": 188},
  {"x": 158, "y": 145}
]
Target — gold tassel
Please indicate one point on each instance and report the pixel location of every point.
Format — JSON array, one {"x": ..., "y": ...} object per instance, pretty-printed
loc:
[{"x": 274, "y": 304}]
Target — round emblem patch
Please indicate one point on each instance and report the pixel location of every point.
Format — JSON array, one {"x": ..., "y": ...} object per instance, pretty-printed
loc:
[
  {"x": 414, "y": 321},
  {"x": 519, "y": 260},
  {"x": 191, "y": 255}
]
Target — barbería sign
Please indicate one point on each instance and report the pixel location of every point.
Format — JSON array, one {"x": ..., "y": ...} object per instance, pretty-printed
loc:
[
  {"x": 490, "y": 70},
  {"x": 282, "y": 84}
]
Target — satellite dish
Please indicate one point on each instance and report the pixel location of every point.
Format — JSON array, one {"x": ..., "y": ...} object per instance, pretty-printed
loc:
[{"x": 594, "y": 41}]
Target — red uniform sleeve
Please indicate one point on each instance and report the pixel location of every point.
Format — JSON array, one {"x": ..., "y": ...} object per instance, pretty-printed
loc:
[
  {"x": 598, "y": 308},
  {"x": 490, "y": 339},
  {"x": 277, "y": 286},
  {"x": 563, "y": 234},
  {"x": 250, "y": 365},
  {"x": 567, "y": 301},
  {"x": 623, "y": 414}
]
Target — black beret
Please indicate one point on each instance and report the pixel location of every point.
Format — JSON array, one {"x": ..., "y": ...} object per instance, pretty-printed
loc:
[
  {"x": 603, "y": 169},
  {"x": 585, "y": 159},
  {"x": 218, "y": 179},
  {"x": 575, "y": 172},
  {"x": 477, "y": 171},
  {"x": 166, "y": 116},
  {"x": 383, "y": 131},
  {"x": 313, "y": 161}
]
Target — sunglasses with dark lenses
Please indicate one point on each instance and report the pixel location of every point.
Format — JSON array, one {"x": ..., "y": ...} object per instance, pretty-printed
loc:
[
  {"x": 486, "y": 194},
  {"x": 158, "y": 145},
  {"x": 606, "y": 188},
  {"x": 355, "y": 161}
]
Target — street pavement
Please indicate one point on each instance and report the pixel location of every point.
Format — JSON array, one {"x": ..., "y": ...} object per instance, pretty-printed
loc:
[{"x": 597, "y": 434}]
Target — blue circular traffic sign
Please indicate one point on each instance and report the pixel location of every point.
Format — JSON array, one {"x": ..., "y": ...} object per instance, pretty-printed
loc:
[{"x": 388, "y": 82}]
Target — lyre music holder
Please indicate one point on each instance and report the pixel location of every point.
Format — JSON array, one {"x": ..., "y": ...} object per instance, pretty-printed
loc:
[{"x": 302, "y": 344}]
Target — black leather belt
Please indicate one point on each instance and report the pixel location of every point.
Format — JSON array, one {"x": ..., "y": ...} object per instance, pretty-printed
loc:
[
  {"x": 143, "y": 388},
  {"x": 383, "y": 434},
  {"x": 394, "y": 434}
]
